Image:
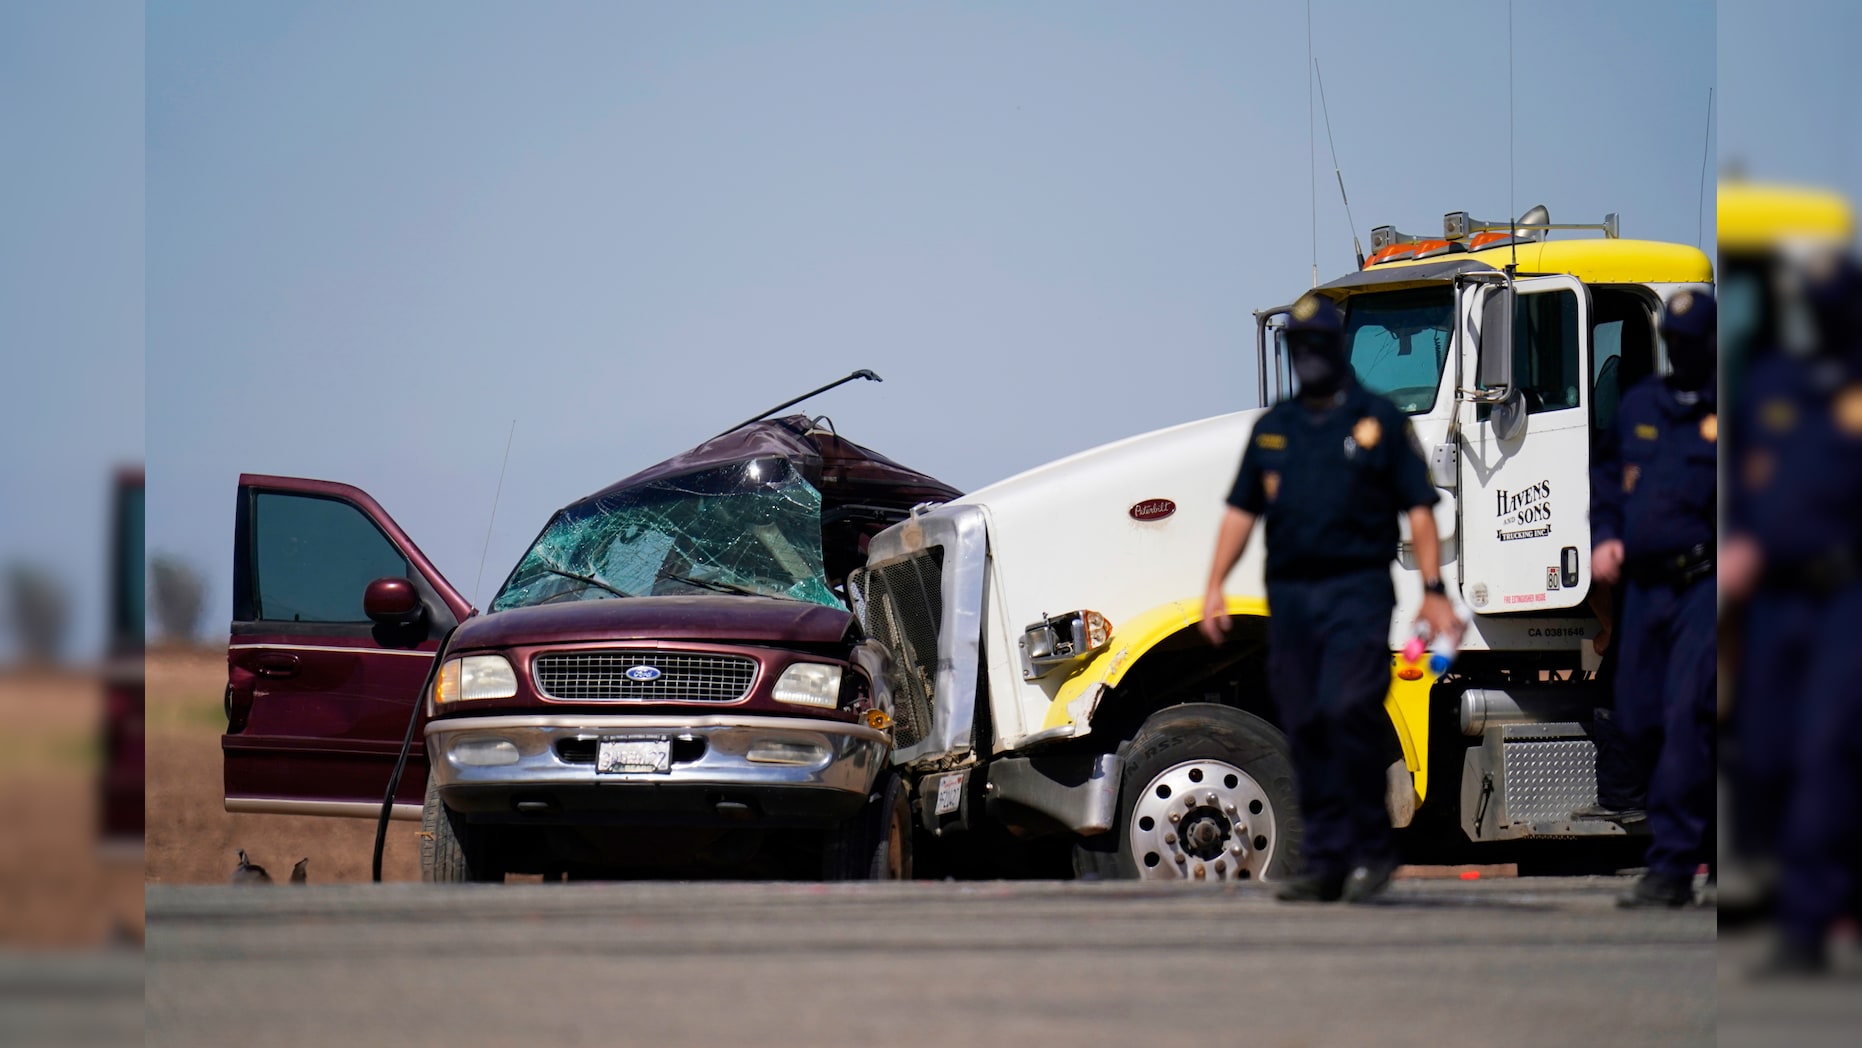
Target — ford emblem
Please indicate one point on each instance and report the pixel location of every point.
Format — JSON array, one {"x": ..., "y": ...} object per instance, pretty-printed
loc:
[
  {"x": 1153, "y": 509},
  {"x": 643, "y": 673}
]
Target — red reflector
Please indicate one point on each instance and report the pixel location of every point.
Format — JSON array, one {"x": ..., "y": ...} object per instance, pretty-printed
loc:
[
  {"x": 1409, "y": 673},
  {"x": 1470, "y": 875}
]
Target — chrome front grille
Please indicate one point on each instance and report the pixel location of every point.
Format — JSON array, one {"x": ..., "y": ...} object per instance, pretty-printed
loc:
[
  {"x": 682, "y": 676},
  {"x": 902, "y": 605}
]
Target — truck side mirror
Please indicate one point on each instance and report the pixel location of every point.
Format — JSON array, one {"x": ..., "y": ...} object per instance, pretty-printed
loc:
[
  {"x": 1508, "y": 411},
  {"x": 1496, "y": 368},
  {"x": 392, "y": 601}
]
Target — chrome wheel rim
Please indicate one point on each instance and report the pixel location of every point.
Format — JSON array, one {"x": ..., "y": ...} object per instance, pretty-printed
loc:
[{"x": 1202, "y": 820}]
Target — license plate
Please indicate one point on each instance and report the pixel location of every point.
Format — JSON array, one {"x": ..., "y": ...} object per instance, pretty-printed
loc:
[
  {"x": 949, "y": 794},
  {"x": 621, "y": 755}
]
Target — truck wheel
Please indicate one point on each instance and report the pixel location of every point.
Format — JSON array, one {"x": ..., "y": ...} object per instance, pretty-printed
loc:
[
  {"x": 1207, "y": 794},
  {"x": 453, "y": 851},
  {"x": 876, "y": 844}
]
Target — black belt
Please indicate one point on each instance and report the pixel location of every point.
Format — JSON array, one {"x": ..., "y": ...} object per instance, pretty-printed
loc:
[
  {"x": 1679, "y": 569},
  {"x": 1821, "y": 574}
]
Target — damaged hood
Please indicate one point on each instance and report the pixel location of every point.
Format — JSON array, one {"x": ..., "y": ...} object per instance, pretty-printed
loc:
[
  {"x": 725, "y": 618},
  {"x": 843, "y": 471}
]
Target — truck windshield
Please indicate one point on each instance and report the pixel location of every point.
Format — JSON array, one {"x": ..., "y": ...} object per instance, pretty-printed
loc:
[
  {"x": 751, "y": 527},
  {"x": 1399, "y": 342}
]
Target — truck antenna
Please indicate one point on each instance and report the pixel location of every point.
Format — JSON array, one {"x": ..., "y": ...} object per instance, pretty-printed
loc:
[
  {"x": 494, "y": 512},
  {"x": 1512, "y": 234},
  {"x": 1356, "y": 247},
  {"x": 862, "y": 373},
  {"x": 1700, "y": 228},
  {"x": 1312, "y": 154}
]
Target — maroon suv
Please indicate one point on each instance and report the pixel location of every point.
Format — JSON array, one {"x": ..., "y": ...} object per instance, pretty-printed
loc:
[{"x": 669, "y": 681}]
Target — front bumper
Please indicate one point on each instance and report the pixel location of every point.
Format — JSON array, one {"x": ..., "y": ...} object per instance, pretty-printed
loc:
[{"x": 711, "y": 780}]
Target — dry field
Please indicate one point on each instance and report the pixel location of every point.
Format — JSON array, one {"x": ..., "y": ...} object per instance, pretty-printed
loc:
[
  {"x": 191, "y": 837},
  {"x": 58, "y": 888}
]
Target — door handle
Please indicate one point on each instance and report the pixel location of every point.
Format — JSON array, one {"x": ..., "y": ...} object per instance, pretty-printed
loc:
[{"x": 277, "y": 665}]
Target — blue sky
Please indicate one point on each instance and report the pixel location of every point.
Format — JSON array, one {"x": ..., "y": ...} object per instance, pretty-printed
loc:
[
  {"x": 71, "y": 288},
  {"x": 377, "y": 236},
  {"x": 363, "y": 239}
]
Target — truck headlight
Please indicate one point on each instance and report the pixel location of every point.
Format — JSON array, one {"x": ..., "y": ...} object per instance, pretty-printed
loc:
[
  {"x": 809, "y": 684},
  {"x": 475, "y": 677},
  {"x": 1059, "y": 639}
]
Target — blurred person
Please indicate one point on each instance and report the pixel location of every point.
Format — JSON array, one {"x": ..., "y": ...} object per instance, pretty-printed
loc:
[
  {"x": 1794, "y": 559},
  {"x": 1329, "y": 471},
  {"x": 1653, "y": 528}
]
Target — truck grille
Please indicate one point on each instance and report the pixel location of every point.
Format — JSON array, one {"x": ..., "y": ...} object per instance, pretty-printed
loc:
[
  {"x": 902, "y": 604},
  {"x": 602, "y": 676}
]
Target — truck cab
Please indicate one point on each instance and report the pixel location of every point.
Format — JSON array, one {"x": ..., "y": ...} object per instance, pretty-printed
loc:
[
  {"x": 668, "y": 681},
  {"x": 1064, "y": 685}
]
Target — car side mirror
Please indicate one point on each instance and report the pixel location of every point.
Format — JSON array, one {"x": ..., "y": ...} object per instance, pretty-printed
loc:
[{"x": 392, "y": 601}]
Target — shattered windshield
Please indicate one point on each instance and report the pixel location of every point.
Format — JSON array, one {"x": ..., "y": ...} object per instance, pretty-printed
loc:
[
  {"x": 1399, "y": 342},
  {"x": 751, "y": 527}
]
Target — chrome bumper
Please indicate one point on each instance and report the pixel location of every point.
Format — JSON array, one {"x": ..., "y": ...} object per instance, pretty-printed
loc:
[{"x": 541, "y": 782}]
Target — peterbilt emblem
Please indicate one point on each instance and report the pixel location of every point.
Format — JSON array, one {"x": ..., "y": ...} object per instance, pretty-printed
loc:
[
  {"x": 1153, "y": 509},
  {"x": 643, "y": 673}
]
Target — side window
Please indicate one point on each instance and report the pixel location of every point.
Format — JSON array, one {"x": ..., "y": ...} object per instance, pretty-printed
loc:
[
  {"x": 313, "y": 557},
  {"x": 1545, "y": 351},
  {"x": 1623, "y": 348},
  {"x": 1606, "y": 372}
]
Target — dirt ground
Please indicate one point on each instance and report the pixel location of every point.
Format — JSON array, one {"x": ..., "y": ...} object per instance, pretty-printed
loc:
[
  {"x": 191, "y": 837},
  {"x": 59, "y": 886}
]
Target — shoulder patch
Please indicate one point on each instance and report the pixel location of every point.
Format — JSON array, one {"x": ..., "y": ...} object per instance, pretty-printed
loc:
[
  {"x": 1271, "y": 441},
  {"x": 1849, "y": 410},
  {"x": 1778, "y": 414},
  {"x": 1644, "y": 431}
]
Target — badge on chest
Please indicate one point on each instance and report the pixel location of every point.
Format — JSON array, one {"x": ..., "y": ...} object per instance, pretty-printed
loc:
[{"x": 1364, "y": 436}]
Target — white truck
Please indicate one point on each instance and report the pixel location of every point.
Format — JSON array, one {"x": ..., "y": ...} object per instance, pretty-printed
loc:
[{"x": 1050, "y": 682}]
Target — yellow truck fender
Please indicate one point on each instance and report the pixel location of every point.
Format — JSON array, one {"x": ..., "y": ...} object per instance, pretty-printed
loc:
[{"x": 1079, "y": 696}]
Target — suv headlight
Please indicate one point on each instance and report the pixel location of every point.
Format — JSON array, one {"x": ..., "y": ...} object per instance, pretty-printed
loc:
[
  {"x": 475, "y": 677},
  {"x": 809, "y": 684}
]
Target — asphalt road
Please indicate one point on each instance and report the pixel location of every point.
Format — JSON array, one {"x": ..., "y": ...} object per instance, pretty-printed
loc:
[{"x": 1520, "y": 962}]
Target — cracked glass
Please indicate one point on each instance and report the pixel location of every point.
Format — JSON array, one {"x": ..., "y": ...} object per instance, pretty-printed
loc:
[{"x": 751, "y": 527}]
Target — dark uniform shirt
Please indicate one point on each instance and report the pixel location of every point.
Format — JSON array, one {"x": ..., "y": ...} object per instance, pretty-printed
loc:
[
  {"x": 1653, "y": 487},
  {"x": 1329, "y": 485},
  {"x": 1794, "y": 473}
]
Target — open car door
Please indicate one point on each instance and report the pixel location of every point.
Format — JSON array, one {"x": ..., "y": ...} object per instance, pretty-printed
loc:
[{"x": 318, "y": 694}]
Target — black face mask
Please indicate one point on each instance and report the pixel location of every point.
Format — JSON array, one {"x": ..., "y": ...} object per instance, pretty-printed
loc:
[
  {"x": 1321, "y": 367},
  {"x": 1693, "y": 360}
]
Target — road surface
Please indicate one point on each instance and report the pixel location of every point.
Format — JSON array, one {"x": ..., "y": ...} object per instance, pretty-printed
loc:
[{"x": 1520, "y": 962}]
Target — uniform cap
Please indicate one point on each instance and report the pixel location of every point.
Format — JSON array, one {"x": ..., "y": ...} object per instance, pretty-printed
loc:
[
  {"x": 1315, "y": 313},
  {"x": 1690, "y": 314}
]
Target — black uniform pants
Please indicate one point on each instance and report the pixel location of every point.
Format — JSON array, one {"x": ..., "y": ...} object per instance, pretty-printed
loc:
[
  {"x": 1328, "y": 665},
  {"x": 1665, "y": 698}
]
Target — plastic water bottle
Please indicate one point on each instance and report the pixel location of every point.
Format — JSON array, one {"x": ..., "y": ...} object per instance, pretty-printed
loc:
[
  {"x": 1442, "y": 649},
  {"x": 1442, "y": 654}
]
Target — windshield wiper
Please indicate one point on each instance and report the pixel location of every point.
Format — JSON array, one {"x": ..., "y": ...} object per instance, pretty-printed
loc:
[
  {"x": 719, "y": 587},
  {"x": 587, "y": 579}
]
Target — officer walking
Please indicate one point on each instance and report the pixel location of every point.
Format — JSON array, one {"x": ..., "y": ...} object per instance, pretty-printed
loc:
[
  {"x": 1795, "y": 559},
  {"x": 1653, "y": 527},
  {"x": 1330, "y": 471}
]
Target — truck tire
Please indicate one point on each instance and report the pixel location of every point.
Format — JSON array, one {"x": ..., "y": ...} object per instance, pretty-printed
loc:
[
  {"x": 453, "y": 851},
  {"x": 1207, "y": 794},
  {"x": 875, "y": 845}
]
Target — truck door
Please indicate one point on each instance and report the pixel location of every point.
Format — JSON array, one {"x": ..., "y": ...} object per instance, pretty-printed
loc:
[
  {"x": 1526, "y": 495},
  {"x": 317, "y": 695}
]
